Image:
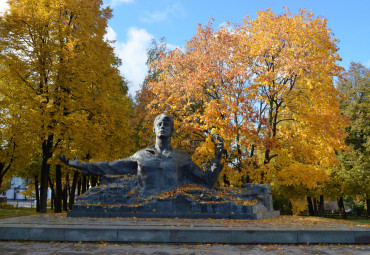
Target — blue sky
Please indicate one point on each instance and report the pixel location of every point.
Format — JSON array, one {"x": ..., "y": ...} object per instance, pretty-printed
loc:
[{"x": 136, "y": 22}]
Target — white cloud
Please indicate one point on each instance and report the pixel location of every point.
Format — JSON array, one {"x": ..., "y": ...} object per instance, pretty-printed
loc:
[
  {"x": 111, "y": 35},
  {"x": 118, "y": 2},
  {"x": 133, "y": 53},
  {"x": 3, "y": 6},
  {"x": 158, "y": 16}
]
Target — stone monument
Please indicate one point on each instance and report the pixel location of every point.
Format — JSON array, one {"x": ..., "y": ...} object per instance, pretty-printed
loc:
[{"x": 161, "y": 181}]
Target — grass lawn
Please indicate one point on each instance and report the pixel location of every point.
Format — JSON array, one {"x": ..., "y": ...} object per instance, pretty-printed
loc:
[
  {"x": 12, "y": 212},
  {"x": 351, "y": 218}
]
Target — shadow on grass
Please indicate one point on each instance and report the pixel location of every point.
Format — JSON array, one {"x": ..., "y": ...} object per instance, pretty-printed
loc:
[
  {"x": 360, "y": 219},
  {"x": 8, "y": 211}
]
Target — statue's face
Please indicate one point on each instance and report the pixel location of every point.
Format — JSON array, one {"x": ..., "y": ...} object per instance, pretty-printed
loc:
[{"x": 162, "y": 128}]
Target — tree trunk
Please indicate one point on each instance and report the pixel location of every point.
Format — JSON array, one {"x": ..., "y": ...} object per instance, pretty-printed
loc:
[
  {"x": 342, "y": 211},
  {"x": 94, "y": 180},
  {"x": 368, "y": 207},
  {"x": 73, "y": 190},
  {"x": 58, "y": 189},
  {"x": 45, "y": 169},
  {"x": 83, "y": 184},
  {"x": 2, "y": 166},
  {"x": 321, "y": 206},
  {"x": 315, "y": 210},
  {"x": 310, "y": 206},
  {"x": 4, "y": 170},
  {"x": 44, "y": 186},
  {"x": 65, "y": 194},
  {"x": 79, "y": 186},
  {"x": 88, "y": 182},
  {"x": 37, "y": 193},
  {"x": 52, "y": 200},
  {"x": 290, "y": 208},
  {"x": 52, "y": 194}
]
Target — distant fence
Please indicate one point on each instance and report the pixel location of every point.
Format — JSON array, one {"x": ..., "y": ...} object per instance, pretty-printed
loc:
[{"x": 22, "y": 203}]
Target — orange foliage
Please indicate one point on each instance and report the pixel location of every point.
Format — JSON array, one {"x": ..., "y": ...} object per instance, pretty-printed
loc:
[{"x": 266, "y": 86}]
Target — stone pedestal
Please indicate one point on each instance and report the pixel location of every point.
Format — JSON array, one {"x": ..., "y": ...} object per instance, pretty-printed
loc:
[{"x": 118, "y": 196}]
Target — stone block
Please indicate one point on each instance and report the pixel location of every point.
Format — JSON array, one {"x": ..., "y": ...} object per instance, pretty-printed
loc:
[
  {"x": 200, "y": 236},
  {"x": 263, "y": 236},
  {"x": 14, "y": 233},
  {"x": 46, "y": 234},
  {"x": 143, "y": 235},
  {"x": 314, "y": 237},
  {"x": 91, "y": 235},
  {"x": 362, "y": 237}
]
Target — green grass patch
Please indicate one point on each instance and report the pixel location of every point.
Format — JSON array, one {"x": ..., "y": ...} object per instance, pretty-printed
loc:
[
  {"x": 362, "y": 221},
  {"x": 359, "y": 219},
  {"x": 8, "y": 210},
  {"x": 14, "y": 212}
]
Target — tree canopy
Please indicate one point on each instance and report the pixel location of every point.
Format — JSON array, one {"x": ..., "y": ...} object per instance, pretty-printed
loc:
[
  {"x": 266, "y": 86},
  {"x": 354, "y": 163},
  {"x": 59, "y": 77}
]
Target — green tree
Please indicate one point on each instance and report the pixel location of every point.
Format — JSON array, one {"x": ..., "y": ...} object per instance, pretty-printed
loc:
[{"x": 354, "y": 164}]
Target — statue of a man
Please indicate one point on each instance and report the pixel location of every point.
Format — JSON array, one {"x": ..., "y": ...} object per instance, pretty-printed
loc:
[{"x": 160, "y": 167}]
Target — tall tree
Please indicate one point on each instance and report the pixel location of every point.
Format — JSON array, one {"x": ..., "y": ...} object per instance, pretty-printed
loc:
[
  {"x": 354, "y": 164},
  {"x": 63, "y": 76},
  {"x": 144, "y": 126},
  {"x": 266, "y": 86}
]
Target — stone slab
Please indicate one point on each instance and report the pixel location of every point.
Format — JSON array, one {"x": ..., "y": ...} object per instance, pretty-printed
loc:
[
  {"x": 264, "y": 237},
  {"x": 362, "y": 237},
  {"x": 185, "y": 231},
  {"x": 200, "y": 236},
  {"x": 79, "y": 234},
  {"x": 14, "y": 233},
  {"x": 147, "y": 236},
  {"x": 316, "y": 237},
  {"x": 183, "y": 236},
  {"x": 46, "y": 233}
]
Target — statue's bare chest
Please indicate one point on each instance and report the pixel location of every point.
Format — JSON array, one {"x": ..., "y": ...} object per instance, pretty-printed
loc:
[{"x": 156, "y": 171}]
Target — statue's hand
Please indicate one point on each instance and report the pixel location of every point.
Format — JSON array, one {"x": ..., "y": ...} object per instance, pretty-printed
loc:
[
  {"x": 219, "y": 146},
  {"x": 73, "y": 163}
]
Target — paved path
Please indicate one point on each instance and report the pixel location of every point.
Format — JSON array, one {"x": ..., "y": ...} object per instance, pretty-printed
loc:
[
  {"x": 279, "y": 230},
  {"x": 36, "y": 248}
]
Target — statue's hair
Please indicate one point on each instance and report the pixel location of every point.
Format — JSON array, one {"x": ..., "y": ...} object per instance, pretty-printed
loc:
[{"x": 162, "y": 116}]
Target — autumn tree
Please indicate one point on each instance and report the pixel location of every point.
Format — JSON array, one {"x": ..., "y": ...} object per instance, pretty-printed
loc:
[
  {"x": 7, "y": 148},
  {"x": 15, "y": 143},
  {"x": 266, "y": 86},
  {"x": 144, "y": 126},
  {"x": 61, "y": 77}
]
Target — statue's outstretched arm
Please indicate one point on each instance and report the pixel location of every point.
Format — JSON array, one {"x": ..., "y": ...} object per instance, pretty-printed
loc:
[{"x": 117, "y": 167}]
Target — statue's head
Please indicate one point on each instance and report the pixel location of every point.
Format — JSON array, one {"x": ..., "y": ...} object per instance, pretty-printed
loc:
[{"x": 163, "y": 125}]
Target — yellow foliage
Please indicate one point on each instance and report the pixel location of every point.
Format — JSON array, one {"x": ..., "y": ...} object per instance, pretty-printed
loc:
[
  {"x": 266, "y": 87},
  {"x": 61, "y": 82},
  {"x": 298, "y": 205}
]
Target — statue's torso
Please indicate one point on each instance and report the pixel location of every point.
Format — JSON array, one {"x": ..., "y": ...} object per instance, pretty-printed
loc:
[{"x": 157, "y": 172}]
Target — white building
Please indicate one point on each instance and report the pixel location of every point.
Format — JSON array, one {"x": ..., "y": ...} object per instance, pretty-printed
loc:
[{"x": 17, "y": 185}]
